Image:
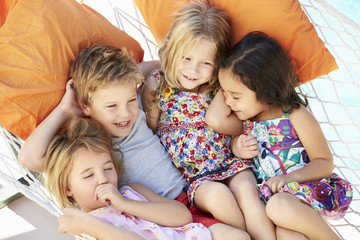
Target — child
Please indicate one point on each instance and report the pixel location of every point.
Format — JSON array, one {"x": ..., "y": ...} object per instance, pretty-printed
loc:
[
  {"x": 81, "y": 171},
  {"x": 106, "y": 81},
  {"x": 295, "y": 164},
  {"x": 175, "y": 101}
]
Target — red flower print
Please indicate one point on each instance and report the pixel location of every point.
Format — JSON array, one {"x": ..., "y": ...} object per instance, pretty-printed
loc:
[
  {"x": 200, "y": 139},
  {"x": 175, "y": 119},
  {"x": 213, "y": 156},
  {"x": 194, "y": 97},
  {"x": 226, "y": 151},
  {"x": 170, "y": 105},
  {"x": 185, "y": 105}
]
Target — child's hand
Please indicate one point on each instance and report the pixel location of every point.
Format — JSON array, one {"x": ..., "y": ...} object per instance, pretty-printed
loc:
[
  {"x": 109, "y": 194},
  {"x": 68, "y": 103},
  {"x": 247, "y": 146},
  {"x": 73, "y": 221},
  {"x": 277, "y": 182}
]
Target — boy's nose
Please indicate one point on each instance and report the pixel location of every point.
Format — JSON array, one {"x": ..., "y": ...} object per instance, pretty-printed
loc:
[{"x": 123, "y": 112}]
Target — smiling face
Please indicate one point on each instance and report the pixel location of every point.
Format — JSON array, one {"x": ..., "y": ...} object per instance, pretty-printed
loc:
[
  {"x": 197, "y": 66},
  {"x": 90, "y": 170},
  {"x": 241, "y": 99},
  {"x": 115, "y": 107}
]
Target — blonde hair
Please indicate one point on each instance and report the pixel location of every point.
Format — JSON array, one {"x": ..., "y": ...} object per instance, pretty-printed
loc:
[
  {"x": 82, "y": 133},
  {"x": 196, "y": 20},
  {"x": 98, "y": 67}
]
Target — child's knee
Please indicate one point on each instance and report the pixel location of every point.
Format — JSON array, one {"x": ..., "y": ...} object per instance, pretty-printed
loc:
[
  {"x": 280, "y": 206},
  {"x": 221, "y": 231},
  {"x": 212, "y": 194}
]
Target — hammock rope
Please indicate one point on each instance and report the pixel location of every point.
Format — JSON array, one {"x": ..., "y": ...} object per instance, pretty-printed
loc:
[{"x": 330, "y": 96}]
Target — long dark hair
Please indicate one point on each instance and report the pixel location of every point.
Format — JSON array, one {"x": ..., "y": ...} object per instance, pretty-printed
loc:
[{"x": 263, "y": 66}]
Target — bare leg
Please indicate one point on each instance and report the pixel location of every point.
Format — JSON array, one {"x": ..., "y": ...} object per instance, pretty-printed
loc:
[
  {"x": 217, "y": 199},
  {"x": 243, "y": 186},
  {"x": 287, "y": 211},
  {"x": 221, "y": 231},
  {"x": 285, "y": 234}
]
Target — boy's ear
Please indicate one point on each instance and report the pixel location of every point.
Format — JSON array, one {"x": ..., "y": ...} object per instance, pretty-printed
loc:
[{"x": 84, "y": 109}]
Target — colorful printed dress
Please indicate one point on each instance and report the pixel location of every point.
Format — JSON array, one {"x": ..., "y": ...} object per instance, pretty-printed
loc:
[
  {"x": 201, "y": 153},
  {"x": 282, "y": 152},
  {"x": 146, "y": 229}
]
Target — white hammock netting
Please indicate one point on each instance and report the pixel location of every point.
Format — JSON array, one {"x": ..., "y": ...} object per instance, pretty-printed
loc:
[{"x": 334, "y": 100}]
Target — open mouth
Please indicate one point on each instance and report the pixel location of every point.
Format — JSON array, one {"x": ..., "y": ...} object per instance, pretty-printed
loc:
[
  {"x": 190, "y": 78},
  {"x": 122, "y": 124}
]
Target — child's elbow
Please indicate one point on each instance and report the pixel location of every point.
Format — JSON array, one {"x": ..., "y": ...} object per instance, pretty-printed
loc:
[
  {"x": 28, "y": 163},
  {"x": 212, "y": 121},
  {"x": 22, "y": 160},
  {"x": 329, "y": 169}
]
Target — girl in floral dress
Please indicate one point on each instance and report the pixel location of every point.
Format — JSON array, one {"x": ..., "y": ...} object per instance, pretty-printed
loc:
[
  {"x": 80, "y": 171},
  {"x": 294, "y": 165},
  {"x": 176, "y": 100}
]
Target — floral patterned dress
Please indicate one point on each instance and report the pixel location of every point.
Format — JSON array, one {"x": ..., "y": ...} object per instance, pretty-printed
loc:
[
  {"x": 149, "y": 230},
  {"x": 282, "y": 152},
  {"x": 201, "y": 153}
]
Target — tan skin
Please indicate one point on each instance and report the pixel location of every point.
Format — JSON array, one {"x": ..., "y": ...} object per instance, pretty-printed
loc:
[
  {"x": 221, "y": 199},
  {"x": 299, "y": 220}
]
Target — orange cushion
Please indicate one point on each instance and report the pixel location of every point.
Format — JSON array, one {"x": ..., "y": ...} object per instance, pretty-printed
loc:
[
  {"x": 38, "y": 41},
  {"x": 283, "y": 20}
]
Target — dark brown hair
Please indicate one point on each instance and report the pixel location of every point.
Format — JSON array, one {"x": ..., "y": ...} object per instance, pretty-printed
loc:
[{"x": 263, "y": 66}]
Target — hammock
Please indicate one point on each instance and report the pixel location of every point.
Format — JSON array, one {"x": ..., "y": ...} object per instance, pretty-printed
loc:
[{"x": 330, "y": 96}]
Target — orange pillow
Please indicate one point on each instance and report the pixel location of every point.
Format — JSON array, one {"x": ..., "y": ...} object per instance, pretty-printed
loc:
[
  {"x": 38, "y": 41},
  {"x": 283, "y": 20}
]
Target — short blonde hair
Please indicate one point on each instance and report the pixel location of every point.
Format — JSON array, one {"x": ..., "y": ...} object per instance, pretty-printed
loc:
[
  {"x": 197, "y": 19},
  {"x": 98, "y": 67},
  {"x": 82, "y": 133}
]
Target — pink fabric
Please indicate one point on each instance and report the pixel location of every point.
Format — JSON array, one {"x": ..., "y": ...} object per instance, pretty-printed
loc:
[{"x": 146, "y": 229}]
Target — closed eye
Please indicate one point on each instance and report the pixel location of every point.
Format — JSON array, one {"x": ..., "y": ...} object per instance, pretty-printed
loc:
[
  {"x": 133, "y": 99},
  {"x": 89, "y": 176},
  {"x": 207, "y": 63}
]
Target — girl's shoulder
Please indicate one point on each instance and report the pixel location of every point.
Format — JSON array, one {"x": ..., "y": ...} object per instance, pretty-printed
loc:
[
  {"x": 302, "y": 118},
  {"x": 301, "y": 113}
]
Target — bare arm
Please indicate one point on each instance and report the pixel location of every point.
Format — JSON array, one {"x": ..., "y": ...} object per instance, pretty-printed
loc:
[
  {"x": 147, "y": 66},
  {"x": 160, "y": 210},
  {"x": 309, "y": 131},
  {"x": 32, "y": 153},
  {"x": 149, "y": 102},
  {"x": 75, "y": 222},
  {"x": 321, "y": 162},
  {"x": 220, "y": 117}
]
